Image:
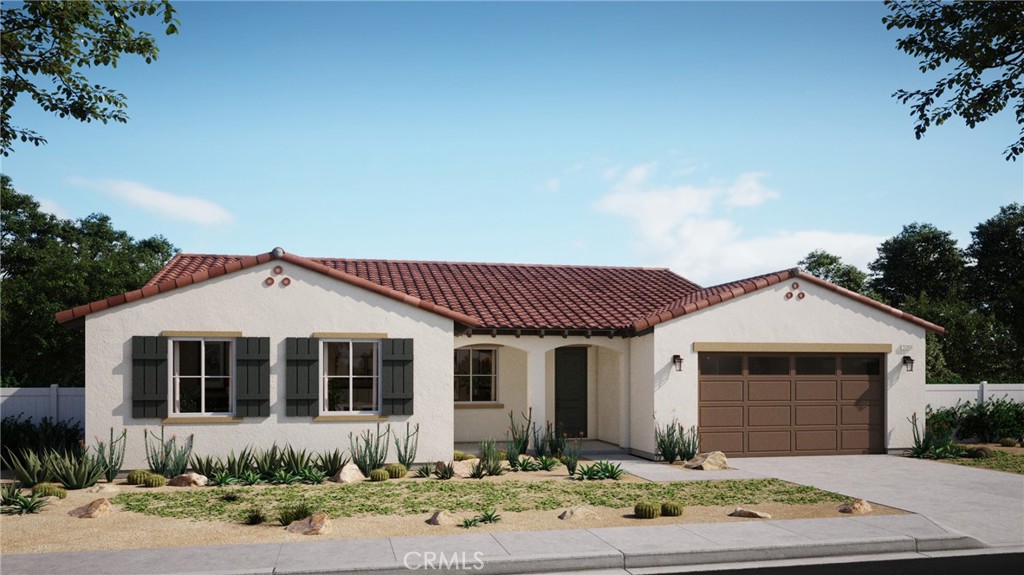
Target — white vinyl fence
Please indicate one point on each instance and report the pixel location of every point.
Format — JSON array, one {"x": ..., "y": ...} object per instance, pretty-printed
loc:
[
  {"x": 57, "y": 403},
  {"x": 947, "y": 395}
]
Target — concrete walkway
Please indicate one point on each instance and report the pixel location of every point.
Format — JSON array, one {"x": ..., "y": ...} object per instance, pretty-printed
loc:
[
  {"x": 631, "y": 549},
  {"x": 984, "y": 504},
  {"x": 654, "y": 471}
]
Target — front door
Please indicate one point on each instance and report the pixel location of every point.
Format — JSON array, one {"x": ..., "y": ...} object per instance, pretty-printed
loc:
[{"x": 571, "y": 391}]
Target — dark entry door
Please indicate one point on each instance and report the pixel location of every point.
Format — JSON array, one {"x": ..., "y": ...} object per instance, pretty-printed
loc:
[{"x": 571, "y": 390}]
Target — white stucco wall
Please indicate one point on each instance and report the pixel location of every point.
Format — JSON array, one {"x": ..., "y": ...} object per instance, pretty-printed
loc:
[
  {"x": 822, "y": 316},
  {"x": 241, "y": 302},
  {"x": 609, "y": 394},
  {"x": 642, "y": 386},
  {"x": 477, "y": 424}
]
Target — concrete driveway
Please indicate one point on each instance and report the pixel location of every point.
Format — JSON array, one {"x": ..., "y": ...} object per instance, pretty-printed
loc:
[{"x": 984, "y": 504}]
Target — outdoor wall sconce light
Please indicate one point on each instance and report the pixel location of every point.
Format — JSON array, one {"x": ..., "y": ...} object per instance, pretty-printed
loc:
[
  {"x": 677, "y": 360},
  {"x": 908, "y": 362}
]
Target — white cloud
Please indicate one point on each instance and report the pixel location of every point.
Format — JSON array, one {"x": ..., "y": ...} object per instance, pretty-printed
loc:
[
  {"x": 683, "y": 227},
  {"x": 51, "y": 207},
  {"x": 190, "y": 209},
  {"x": 553, "y": 185}
]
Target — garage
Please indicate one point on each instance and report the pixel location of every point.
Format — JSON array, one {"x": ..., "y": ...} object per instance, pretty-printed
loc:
[{"x": 764, "y": 404}]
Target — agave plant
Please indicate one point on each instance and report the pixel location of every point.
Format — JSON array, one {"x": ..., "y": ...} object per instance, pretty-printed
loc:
[
  {"x": 76, "y": 472},
  {"x": 331, "y": 462},
  {"x": 28, "y": 468},
  {"x": 295, "y": 461}
]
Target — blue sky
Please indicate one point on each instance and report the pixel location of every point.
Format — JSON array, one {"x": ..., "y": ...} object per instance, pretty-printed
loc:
[{"x": 721, "y": 140}]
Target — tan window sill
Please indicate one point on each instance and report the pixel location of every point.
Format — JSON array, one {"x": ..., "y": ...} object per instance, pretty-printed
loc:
[
  {"x": 328, "y": 418},
  {"x": 192, "y": 420},
  {"x": 480, "y": 405}
]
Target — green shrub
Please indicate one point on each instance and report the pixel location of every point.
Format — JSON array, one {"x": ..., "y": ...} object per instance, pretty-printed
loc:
[
  {"x": 21, "y": 505},
  {"x": 600, "y": 470},
  {"x": 221, "y": 478},
  {"x": 671, "y": 509},
  {"x": 254, "y": 516},
  {"x": 312, "y": 476},
  {"x": 462, "y": 455},
  {"x": 396, "y": 470},
  {"x": 571, "y": 454},
  {"x": 19, "y": 434},
  {"x": 50, "y": 490},
  {"x": 468, "y": 522},
  {"x": 479, "y": 470},
  {"x": 489, "y": 516},
  {"x": 76, "y": 472},
  {"x": 931, "y": 445},
  {"x": 379, "y": 475},
  {"x": 268, "y": 461},
  {"x": 283, "y": 477},
  {"x": 423, "y": 471},
  {"x": 992, "y": 419},
  {"x": 154, "y": 480},
  {"x": 286, "y": 515},
  {"x": 547, "y": 463},
  {"x": 167, "y": 458},
  {"x": 647, "y": 510},
  {"x": 1008, "y": 442},
  {"x": 519, "y": 435},
  {"x": 369, "y": 451},
  {"x": 28, "y": 467},
  {"x": 9, "y": 493},
  {"x": 672, "y": 442},
  {"x": 331, "y": 462},
  {"x": 405, "y": 451},
  {"x": 138, "y": 476},
  {"x": 229, "y": 497},
  {"x": 528, "y": 464},
  {"x": 445, "y": 472},
  {"x": 112, "y": 454},
  {"x": 250, "y": 477},
  {"x": 979, "y": 452}
]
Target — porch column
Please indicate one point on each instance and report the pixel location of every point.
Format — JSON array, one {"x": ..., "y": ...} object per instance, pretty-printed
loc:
[
  {"x": 536, "y": 386},
  {"x": 625, "y": 392}
]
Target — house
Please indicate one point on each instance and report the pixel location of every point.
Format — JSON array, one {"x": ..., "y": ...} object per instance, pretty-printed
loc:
[{"x": 249, "y": 350}]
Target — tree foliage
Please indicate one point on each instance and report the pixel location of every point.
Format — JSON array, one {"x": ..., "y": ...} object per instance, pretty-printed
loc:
[
  {"x": 979, "y": 49},
  {"x": 831, "y": 268},
  {"x": 997, "y": 278},
  {"x": 48, "y": 265},
  {"x": 45, "y": 46},
  {"x": 921, "y": 259}
]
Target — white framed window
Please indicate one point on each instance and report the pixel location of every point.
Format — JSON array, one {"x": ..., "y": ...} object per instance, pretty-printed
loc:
[
  {"x": 351, "y": 376},
  {"x": 476, "y": 375},
  {"x": 202, "y": 376}
]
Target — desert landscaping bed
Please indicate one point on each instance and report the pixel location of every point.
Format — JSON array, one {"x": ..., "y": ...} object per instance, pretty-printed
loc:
[
  {"x": 1008, "y": 459},
  {"x": 172, "y": 517}
]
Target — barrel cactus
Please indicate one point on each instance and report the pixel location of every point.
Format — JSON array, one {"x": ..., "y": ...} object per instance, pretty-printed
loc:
[
  {"x": 1008, "y": 442},
  {"x": 671, "y": 509},
  {"x": 647, "y": 510},
  {"x": 137, "y": 476},
  {"x": 396, "y": 470},
  {"x": 154, "y": 480},
  {"x": 379, "y": 475},
  {"x": 49, "y": 490}
]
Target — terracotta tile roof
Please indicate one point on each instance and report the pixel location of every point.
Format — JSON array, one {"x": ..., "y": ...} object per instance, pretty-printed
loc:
[
  {"x": 488, "y": 296},
  {"x": 710, "y": 296}
]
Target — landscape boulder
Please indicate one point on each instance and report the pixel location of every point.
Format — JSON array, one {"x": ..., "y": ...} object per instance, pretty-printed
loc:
[
  {"x": 316, "y": 524},
  {"x": 97, "y": 508},
  {"x": 708, "y": 461},
  {"x": 578, "y": 514},
  {"x": 741, "y": 512},
  {"x": 190, "y": 479},
  {"x": 348, "y": 474},
  {"x": 464, "y": 467},
  {"x": 107, "y": 488},
  {"x": 859, "y": 506},
  {"x": 441, "y": 517}
]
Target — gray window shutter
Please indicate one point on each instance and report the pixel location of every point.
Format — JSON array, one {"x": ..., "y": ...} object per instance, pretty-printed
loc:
[
  {"x": 302, "y": 376},
  {"x": 396, "y": 376},
  {"x": 252, "y": 376},
  {"x": 149, "y": 376}
]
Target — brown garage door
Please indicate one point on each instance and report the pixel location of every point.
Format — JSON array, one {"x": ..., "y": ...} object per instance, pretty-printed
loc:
[{"x": 760, "y": 404}]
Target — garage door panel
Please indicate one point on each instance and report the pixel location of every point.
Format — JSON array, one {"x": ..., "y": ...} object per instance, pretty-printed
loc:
[
  {"x": 711, "y": 417},
  {"x": 769, "y": 390},
  {"x": 773, "y": 416},
  {"x": 816, "y": 415},
  {"x": 854, "y": 390},
  {"x": 763, "y": 441},
  {"x": 727, "y": 441},
  {"x": 862, "y": 414},
  {"x": 721, "y": 391},
  {"x": 817, "y": 440},
  {"x": 816, "y": 390},
  {"x": 863, "y": 440}
]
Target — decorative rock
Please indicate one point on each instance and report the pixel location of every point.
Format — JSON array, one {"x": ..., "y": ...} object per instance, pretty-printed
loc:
[
  {"x": 190, "y": 479},
  {"x": 741, "y": 512},
  {"x": 103, "y": 489},
  {"x": 97, "y": 508},
  {"x": 348, "y": 474},
  {"x": 316, "y": 524},
  {"x": 463, "y": 468},
  {"x": 578, "y": 514},
  {"x": 441, "y": 517},
  {"x": 708, "y": 461},
  {"x": 859, "y": 506}
]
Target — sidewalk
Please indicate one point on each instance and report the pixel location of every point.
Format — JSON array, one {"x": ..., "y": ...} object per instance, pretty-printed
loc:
[{"x": 614, "y": 548}]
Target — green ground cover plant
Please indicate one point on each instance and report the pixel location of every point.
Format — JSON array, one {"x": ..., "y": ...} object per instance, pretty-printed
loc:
[
  {"x": 1000, "y": 461},
  {"x": 417, "y": 497}
]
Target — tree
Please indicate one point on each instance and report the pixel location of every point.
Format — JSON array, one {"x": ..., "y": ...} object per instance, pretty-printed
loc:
[
  {"x": 997, "y": 278},
  {"x": 983, "y": 42},
  {"x": 830, "y": 267},
  {"x": 44, "y": 45},
  {"x": 48, "y": 265},
  {"x": 921, "y": 259}
]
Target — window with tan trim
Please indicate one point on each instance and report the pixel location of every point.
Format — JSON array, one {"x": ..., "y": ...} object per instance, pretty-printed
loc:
[
  {"x": 350, "y": 376},
  {"x": 202, "y": 374},
  {"x": 476, "y": 375}
]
